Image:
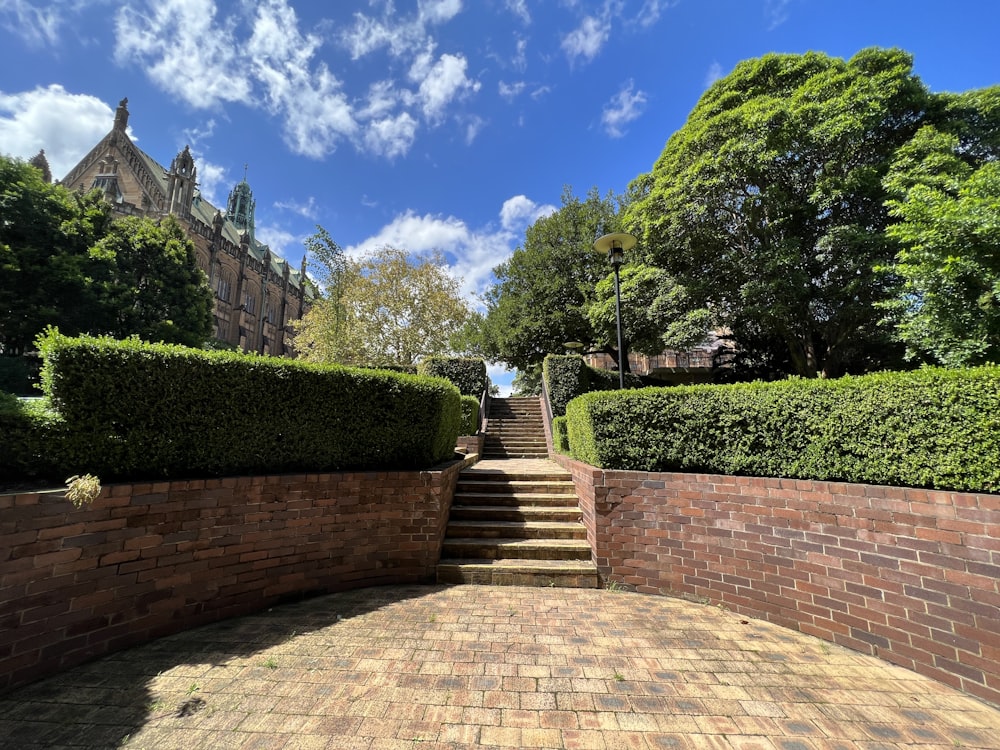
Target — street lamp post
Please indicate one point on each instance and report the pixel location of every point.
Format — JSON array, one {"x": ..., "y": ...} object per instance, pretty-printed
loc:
[{"x": 615, "y": 246}]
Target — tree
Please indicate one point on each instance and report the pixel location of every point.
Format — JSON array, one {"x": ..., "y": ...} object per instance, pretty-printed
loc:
[
  {"x": 149, "y": 284},
  {"x": 45, "y": 234},
  {"x": 543, "y": 292},
  {"x": 768, "y": 205},
  {"x": 945, "y": 192},
  {"x": 391, "y": 310},
  {"x": 656, "y": 312}
]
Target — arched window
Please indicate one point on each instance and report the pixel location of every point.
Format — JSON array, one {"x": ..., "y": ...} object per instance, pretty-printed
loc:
[{"x": 224, "y": 287}]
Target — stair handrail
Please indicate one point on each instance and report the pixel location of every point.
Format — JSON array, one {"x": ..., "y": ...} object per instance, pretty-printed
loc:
[
  {"x": 484, "y": 407},
  {"x": 547, "y": 421}
]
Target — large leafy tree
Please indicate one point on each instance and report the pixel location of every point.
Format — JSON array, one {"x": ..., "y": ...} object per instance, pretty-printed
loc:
[
  {"x": 387, "y": 309},
  {"x": 45, "y": 268},
  {"x": 945, "y": 192},
  {"x": 768, "y": 206},
  {"x": 65, "y": 263},
  {"x": 543, "y": 292},
  {"x": 149, "y": 284}
]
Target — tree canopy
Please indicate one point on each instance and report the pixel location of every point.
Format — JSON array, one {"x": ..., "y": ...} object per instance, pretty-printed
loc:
[
  {"x": 768, "y": 207},
  {"x": 386, "y": 309},
  {"x": 544, "y": 290},
  {"x": 64, "y": 262},
  {"x": 945, "y": 194}
]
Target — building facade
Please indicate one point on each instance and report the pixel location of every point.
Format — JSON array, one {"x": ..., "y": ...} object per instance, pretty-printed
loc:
[{"x": 257, "y": 293}]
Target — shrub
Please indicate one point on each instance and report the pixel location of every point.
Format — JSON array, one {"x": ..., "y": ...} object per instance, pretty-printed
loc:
[
  {"x": 143, "y": 410},
  {"x": 568, "y": 376},
  {"x": 470, "y": 415},
  {"x": 560, "y": 435},
  {"x": 468, "y": 375},
  {"x": 930, "y": 428}
]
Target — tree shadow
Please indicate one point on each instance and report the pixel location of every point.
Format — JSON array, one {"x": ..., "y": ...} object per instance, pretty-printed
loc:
[{"x": 104, "y": 703}]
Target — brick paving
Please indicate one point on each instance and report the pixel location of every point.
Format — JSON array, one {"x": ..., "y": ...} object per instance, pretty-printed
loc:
[{"x": 500, "y": 667}]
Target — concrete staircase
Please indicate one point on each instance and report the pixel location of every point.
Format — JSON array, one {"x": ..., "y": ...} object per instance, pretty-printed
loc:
[
  {"x": 515, "y": 429},
  {"x": 516, "y": 521}
]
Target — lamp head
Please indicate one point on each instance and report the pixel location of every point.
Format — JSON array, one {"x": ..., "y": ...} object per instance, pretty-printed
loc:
[{"x": 615, "y": 246}]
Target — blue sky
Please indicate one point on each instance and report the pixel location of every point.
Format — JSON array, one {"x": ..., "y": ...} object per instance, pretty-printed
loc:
[{"x": 430, "y": 125}]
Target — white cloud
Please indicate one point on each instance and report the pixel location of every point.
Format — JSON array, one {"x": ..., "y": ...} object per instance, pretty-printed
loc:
[
  {"x": 713, "y": 74},
  {"x": 501, "y": 376},
  {"x": 473, "y": 126},
  {"x": 650, "y": 12},
  {"x": 776, "y": 12},
  {"x": 519, "y": 212},
  {"x": 438, "y": 11},
  {"x": 473, "y": 253},
  {"x": 587, "y": 39},
  {"x": 624, "y": 107},
  {"x": 281, "y": 242},
  {"x": 206, "y": 59},
  {"x": 35, "y": 120},
  {"x": 307, "y": 210},
  {"x": 183, "y": 51},
  {"x": 441, "y": 83},
  {"x": 37, "y": 26},
  {"x": 391, "y": 136},
  {"x": 520, "y": 61},
  {"x": 212, "y": 179},
  {"x": 511, "y": 91},
  {"x": 520, "y": 9}
]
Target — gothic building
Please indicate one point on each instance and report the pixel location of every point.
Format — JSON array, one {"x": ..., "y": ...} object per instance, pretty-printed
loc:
[{"x": 256, "y": 292}]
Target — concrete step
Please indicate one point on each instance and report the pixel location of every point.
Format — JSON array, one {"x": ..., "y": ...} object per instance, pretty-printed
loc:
[
  {"x": 514, "y": 499},
  {"x": 545, "y": 486},
  {"x": 564, "y": 574},
  {"x": 511, "y": 513},
  {"x": 515, "y": 530},
  {"x": 516, "y": 549}
]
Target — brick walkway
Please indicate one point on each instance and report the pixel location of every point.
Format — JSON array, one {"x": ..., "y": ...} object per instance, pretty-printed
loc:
[{"x": 468, "y": 666}]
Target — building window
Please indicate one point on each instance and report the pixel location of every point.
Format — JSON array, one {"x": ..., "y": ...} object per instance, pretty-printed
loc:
[
  {"x": 249, "y": 303},
  {"x": 225, "y": 288}
]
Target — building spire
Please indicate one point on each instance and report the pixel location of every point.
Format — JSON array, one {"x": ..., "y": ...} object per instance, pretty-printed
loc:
[{"x": 121, "y": 115}]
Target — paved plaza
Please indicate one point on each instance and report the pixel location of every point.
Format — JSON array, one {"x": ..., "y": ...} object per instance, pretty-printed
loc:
[{"x": 498, "y": 667}]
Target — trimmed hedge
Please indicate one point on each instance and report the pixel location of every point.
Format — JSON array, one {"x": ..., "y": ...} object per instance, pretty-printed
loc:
[
  {"x": 929, "y": 428},
  {"x": 560, "y": 435},
  {"x": 568, "y": 376},
  {"x": 468, "y": 375},
  {"x": 470, "y": 416},
  {"x": 126, "y": 409}
]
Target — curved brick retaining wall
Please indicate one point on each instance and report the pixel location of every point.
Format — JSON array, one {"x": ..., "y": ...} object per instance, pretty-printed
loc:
[
  {"x": 911, "y": 576},
  {"x": 146, "y": 560}
]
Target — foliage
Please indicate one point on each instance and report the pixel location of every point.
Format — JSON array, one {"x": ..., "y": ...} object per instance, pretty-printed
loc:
[
  {"x": 947, "y": 201},
  {"x": 657, "y": 312},
  {"x": 466, "y": 374},
  {"x": 45, "y": 234},
  {"x": 543, "y": 292},
  {"x": 560, "y": 435},
  {"x": 768, "y": 206},
  {"x": 929, "y": 428},
  {"x": 82, "y": 490},
  {"x": 567, "y": 377},
  {"x": 150, "y": 284},
  {"x": 470, "y": 416},
  {"x": 391, "y": 310},
  {"x": 126, "y": 409},
  {"x": 527, "y": 382}
]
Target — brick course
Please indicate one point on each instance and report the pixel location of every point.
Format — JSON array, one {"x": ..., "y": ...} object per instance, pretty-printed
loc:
[
  {"x": 909, "y": 575},
  {"x": 146, "y": 560}
]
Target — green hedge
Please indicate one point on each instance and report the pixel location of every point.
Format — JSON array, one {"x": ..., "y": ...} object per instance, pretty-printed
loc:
[
  {"x": 930, "y": 428},
  {"x": 568, "y": 376},
  {"x": 468, "y": 375},
  {"x": 560, "y": 435},
  {"x": 125, "y": 409},
  {"x": 470, "y": 416}
]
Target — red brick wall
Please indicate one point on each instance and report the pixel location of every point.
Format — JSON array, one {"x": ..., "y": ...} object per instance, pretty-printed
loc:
[
  {"x": 147, "y": 560},
  {"x": 911, "y": 576}
]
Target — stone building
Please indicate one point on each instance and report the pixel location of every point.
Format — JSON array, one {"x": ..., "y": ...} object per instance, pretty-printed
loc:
[{"x": 256, "y": 292}]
